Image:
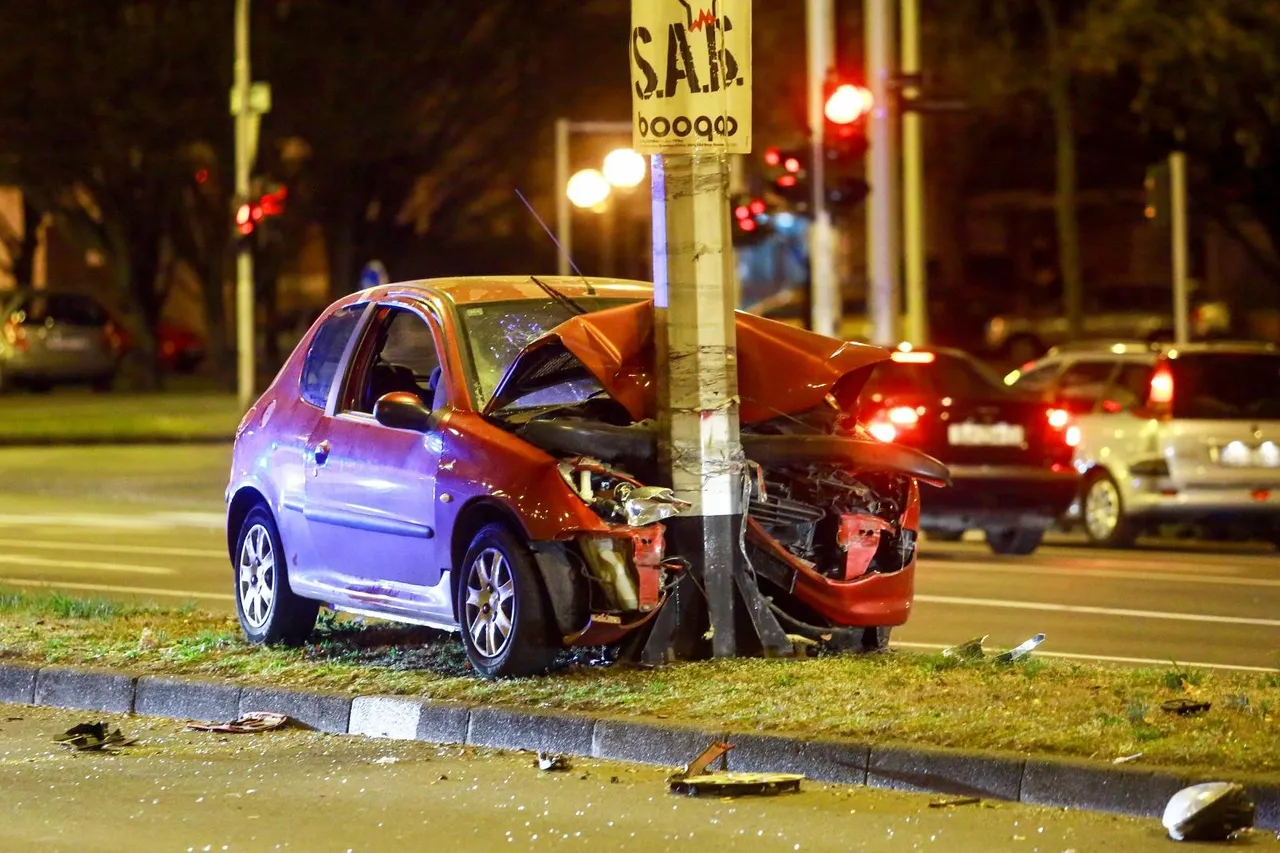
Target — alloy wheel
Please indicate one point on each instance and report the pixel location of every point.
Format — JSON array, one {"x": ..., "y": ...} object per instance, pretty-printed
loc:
[
  {"x": 1102, "y": 509},
  {"x": 257, "y": 584},
  {"x": 491, "y": 603}
]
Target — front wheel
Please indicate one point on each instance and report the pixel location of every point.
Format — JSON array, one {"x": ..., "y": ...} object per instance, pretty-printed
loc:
[
  {"x": 1102, "y": 509},
  {"x": 1018, "y": 541},
  {"x": 502, "y": 607},
  {"x": 268, "y": 609}
]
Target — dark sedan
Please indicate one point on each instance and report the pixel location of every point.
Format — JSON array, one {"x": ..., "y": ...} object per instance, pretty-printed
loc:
[{"x": 1009, "y": 454}]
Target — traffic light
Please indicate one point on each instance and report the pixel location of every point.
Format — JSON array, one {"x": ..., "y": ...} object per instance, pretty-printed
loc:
[
  {"x": 251, "y": 216},
  {"x": 787, "y": 173},
  {"x": 845, "y": 109},
  {"x": 1156, "y": 188},
  {"x": 752, "y": 220}
]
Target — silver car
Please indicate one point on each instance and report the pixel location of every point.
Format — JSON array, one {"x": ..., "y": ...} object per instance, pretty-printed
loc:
[{"x": 56, "y": 337}]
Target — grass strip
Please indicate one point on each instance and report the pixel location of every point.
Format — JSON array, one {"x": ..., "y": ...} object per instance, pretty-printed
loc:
[
  {"x": 1038, "y": 705},
  {"x": 70, "y": 417}
]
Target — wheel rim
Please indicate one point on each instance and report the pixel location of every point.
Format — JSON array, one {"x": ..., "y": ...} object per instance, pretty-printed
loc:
[
  {"x": 1102, "y": 509},
  {"x": 257, "y": 586},
  {"x": 491, "y": 603}
]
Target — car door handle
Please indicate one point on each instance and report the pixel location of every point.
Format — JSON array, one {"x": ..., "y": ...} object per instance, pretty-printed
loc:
[{"x": 322, "y": 452}]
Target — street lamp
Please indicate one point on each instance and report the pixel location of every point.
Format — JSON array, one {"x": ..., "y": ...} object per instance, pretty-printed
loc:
[
  {"x": 588, "y": 189},
  {"x": 624, "y": 168}
]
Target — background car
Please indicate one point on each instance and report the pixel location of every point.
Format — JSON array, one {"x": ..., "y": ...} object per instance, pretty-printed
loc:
[
  {"x": 477, "y": 454},
  {"x": 53, "y": 337},
  {"x": 1187, "y": 434},
  {"x": 1009, "y": 454}
]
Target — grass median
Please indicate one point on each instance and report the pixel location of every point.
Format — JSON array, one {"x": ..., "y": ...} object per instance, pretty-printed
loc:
[
  {"x": 1035, "y": 705},
  {"x": 69, "y": 417}
]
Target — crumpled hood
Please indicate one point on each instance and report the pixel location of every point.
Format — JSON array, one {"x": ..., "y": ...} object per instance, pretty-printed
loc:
[{"x": 782, "y": 370}]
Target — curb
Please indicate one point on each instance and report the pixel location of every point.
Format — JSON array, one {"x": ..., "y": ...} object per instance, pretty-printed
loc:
[{"x": 1069, "y": 783}]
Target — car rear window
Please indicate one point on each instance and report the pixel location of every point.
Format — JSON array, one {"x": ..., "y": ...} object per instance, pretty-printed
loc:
[
  {"x": 1226, "y": 385},
  {"x": 945, "y": 375}
]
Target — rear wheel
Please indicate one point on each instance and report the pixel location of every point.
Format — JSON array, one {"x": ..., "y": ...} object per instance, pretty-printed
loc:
[
  {"x": 1014, "y": 540},
  {"x": 502, "y": 607},
  {"x": 1102, "y": 510},
  {"x": 269, "y": 611}
]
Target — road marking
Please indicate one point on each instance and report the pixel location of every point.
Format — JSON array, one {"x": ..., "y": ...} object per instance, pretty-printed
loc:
[
  {"x": 1111, "y": 658},
  {"x": 1117, "y": 574},
  {"x": 45, "y": 562},
  {"x": 99, "y": 587},
  {"x": 157, "y": 550},
  {"x": 135, "y": 521},
  {"x": 1098, "y": 611}
]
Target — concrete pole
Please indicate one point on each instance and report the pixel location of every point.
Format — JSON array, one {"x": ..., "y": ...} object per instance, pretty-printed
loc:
[
  {"x": 245, "y": 338},
  {"x": 914, "y": 246},
  {"x": 696, "y": 352},
  {"x": 884, "y": 207},
  {"x": 564, "y": 216},
  {"x": 825, "y": 302},
  {"x": 1178, "y": 208}
]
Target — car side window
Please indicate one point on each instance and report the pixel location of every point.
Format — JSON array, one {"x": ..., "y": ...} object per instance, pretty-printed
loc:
[
  {"x": 1038, "y": 379},
  {"x": 75, "y": 310},
  {"x": 402, "y": 356},
  {"x": 1084, "y": 383},
  {"x": 1129, "y": 387},
  {"x": 321, "y": 365}
]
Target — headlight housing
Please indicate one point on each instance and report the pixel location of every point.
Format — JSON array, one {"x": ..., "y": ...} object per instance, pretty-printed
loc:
[{"x": 617, "y": 497}]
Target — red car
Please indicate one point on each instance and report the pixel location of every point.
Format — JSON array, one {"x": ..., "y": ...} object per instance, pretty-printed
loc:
[{"x": 477, "y": 455}]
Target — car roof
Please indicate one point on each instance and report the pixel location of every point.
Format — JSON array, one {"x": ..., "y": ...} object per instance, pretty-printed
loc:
[{"x": 470, "y": 290}]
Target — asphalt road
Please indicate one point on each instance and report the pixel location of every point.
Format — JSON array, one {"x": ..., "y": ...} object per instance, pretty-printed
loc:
[
  {"x": 148, "y": 522},
  {"x": 176, "y": 790}
]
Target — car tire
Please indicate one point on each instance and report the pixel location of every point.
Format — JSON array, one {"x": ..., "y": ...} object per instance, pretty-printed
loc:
[
  {"x": 1019, "y": 541},
  {"x": 270, "y": 613},
  {"x": 1102, "y": 513},
  {"x": 944, "y": 535},
  {"x": 499, "y": 589}
]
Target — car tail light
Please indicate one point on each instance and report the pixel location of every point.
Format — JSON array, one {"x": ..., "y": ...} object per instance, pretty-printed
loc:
[
  {"x": 16, "y": 334},
  {"x": 913, "y": 357},
  {"x": 1161, "y": 391},
  {"x": 1059, "y": 418},
  {"x": 1060, "y": 422},
  {"x": 887, "y": 423}
]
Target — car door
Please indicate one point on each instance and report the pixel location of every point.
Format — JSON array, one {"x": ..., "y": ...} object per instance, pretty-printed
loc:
[{"x": 370, "y": 489}]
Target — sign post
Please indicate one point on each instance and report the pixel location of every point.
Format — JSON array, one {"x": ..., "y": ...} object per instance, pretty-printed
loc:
[{"x": 691, "y": 96}]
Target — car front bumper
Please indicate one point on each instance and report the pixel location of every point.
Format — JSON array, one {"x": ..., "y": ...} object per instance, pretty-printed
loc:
[{"x": 999, "y": 495}]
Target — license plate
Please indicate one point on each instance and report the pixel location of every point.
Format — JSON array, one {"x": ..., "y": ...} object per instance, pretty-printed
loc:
[{"x": 986, "y": 435}]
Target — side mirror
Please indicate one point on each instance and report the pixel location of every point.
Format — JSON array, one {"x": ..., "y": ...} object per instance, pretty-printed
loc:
[{"x": 402, "y": 410}]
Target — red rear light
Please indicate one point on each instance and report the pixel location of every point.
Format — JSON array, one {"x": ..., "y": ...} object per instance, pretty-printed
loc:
[
  {"x": 1059, "y": 418},
  {"x": 903, "y": 416},
  {"x": 1072, "y": 435},
  {"x": 1060, "y": 422},
  {"x": 1161, "y": 386},
  {"x": 886, "y": 424},
  {"x": 913, "y": 357}
]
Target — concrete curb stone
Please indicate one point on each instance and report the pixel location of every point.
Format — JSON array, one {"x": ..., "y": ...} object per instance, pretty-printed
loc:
[
  {"x": 444, "y": 723},
  {"x": 1077, "y": 784},
  {"x": 842, "y": 762},
  {"x": 85, "y": 689},
  {"x": 647, "y": 743},
  {"x": 392, "y": 717},
  {"x": 186, "y": 699},
  {"x": 945, "y": 771},
  {"x": 18, "y": 683},
  {"x": 324, "y": 712},
  {"x": 503, "y": 728}
]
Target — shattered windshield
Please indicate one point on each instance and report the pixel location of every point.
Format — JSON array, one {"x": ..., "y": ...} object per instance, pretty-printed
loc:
[{"x": 494, "y": 333}]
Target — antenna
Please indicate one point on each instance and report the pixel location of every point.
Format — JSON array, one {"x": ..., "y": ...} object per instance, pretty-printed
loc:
[{"x": 591, "y": 291}]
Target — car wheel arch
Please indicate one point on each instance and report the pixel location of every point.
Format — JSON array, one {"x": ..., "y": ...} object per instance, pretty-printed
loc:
[
  {"x": 242, "y": 503},
  {"x": 471, "y": 519}
]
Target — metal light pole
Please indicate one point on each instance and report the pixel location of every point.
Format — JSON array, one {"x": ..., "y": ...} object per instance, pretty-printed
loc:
[
  {"x": 914, "y": 246},
  {"x": 1178, "y": 222},
  {"x": 884, "y": 207},
  {"x": 244, "y": 258},
  {"x": 825, "y": 303},
  {"x": 564, "y": 213}
]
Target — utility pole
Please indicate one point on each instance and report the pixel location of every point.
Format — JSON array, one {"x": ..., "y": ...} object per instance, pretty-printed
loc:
[
  {"x": 564, "y": 223},
  {"x": 826, "y": 305},
  {"x": 884, "y": 207},
  {"x": 914, "y": 245},
  {"x": 240, "y": 106},
  {"x": 1178, "y": 223}
]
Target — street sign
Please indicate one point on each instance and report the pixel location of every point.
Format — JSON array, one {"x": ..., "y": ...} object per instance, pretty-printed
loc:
[
  {"x": 691, "y": 75},
  {"x": 374, "y": 274}
]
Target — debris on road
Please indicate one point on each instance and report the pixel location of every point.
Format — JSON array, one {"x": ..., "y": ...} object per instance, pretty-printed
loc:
[
  {"x": 967, "y": 651},
  {"x": 93, "y": 737},
  {"x": 1211, "y": 811},
  {"x": 1020, "y": 651},
  {"x": 955, "y": 801},
  {"x": 552, "y": 762},
  {"x": 1125, "y": 759},
  {"x": 1185, "y": 707},
  {"x": 694, "y": 780},
  {"x": 253, "y": 721}
]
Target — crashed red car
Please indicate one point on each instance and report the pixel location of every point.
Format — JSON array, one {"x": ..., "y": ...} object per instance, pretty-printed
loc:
[{"x": 480, "y": 455}]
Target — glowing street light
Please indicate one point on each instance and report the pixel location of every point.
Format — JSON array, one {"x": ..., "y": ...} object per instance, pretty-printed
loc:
[
  {"x": 848, "y": 103},
  {"x": 624, "y": 168},
  {"x": 587, "y": 188}
]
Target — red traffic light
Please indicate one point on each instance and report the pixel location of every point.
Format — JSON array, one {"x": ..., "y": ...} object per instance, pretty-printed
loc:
[
  {"x": 757, "y": 206},
  {"x": 792, "y": 164},
  {"x": 747, "y": 224},
  {"x": 848, "y": 103},
  {"x": 772, "y": 157},
  {"x": 786, "y": 181},
  {"x": 741, "y": 211}
]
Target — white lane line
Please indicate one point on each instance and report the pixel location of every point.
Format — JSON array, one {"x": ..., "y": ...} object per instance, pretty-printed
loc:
[
  {"x": 1110, "y": 658},
  {"x": 1084, "y": 573},
  {"x": 106, "y": 547},
  {"x": 1097, "y": 611},
  {"x": 32, "y": 561},
  {"x": 121, "y": 521},
  {"x": 99, "y": 587}
]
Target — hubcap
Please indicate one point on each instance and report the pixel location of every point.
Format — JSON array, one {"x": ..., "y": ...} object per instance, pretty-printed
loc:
[
  {"x": 491, "y": 603},
  {"x": 257, "y": 586},
  {"x": 1102, "y": 509}
]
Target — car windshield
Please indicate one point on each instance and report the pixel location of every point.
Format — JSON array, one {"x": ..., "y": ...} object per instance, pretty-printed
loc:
[
  {"x": 495, "y": 332},
  {"x": 1226, "y": 385}
]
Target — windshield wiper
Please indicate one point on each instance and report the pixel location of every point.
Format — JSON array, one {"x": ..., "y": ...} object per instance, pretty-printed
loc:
[{"x": 564, "y": 301}]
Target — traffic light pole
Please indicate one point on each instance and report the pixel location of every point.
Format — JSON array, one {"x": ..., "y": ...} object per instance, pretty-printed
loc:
[
  {"x": 884, "y": 207},
  {"x": 826, "y": 307},
  {"x": 913, "y": 226},
  {"x": 244, "y": 162},
  {"x": 1178, "y": 223}
]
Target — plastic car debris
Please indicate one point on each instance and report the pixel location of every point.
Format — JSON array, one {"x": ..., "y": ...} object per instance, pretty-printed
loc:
[
  {"x": 254, "y": 721},
  {"x": 966, "y": 651},
  {"x": 1212, "y": 811},
  {"x": 88, "y": 737},
  {"x": 552, "y": 762},
  {"x": 694, "y": 780},
  {"x": 1185, "y": 707},
  {"x": 1020, "y": 651},
  {"x": 1125, "y": 759},
  {"x": 955, "y": 801}
]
